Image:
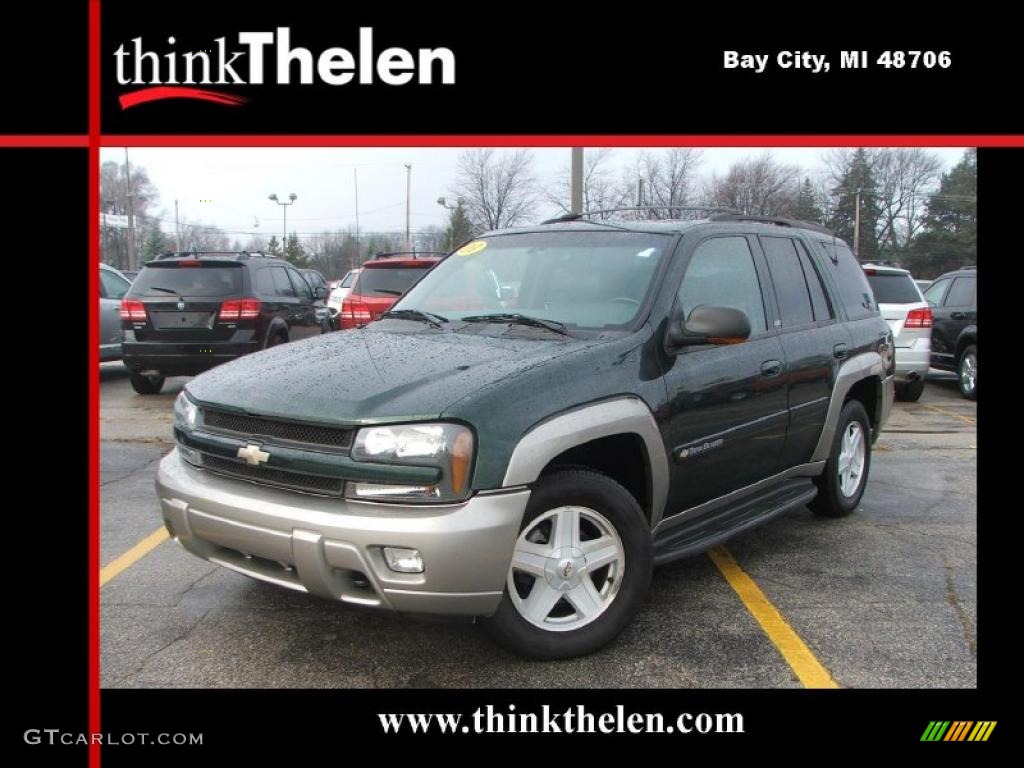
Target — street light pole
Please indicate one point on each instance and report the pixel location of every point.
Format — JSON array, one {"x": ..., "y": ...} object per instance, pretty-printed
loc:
[
  {"x": 131, "y": 211},
  {"x": 408, "y": 195},
  {"x": 284, "y": 208},
  {"x": 576, "y": 203}
]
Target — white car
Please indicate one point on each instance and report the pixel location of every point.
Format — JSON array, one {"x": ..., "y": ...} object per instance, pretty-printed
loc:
[
  {"x": 909, "y": 316},
  {"x": 337, "y": 295}
]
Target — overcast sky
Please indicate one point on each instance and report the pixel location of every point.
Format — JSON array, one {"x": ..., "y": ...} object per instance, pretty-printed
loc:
[{"x": 228, "y": 187}]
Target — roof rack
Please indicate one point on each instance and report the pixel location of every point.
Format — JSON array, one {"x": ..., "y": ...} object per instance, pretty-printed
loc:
[
  {"x": 407, "y": 254},
  {"x": 240, "y": 255},
  {"x": 778, "y": 221},
  {"x": 969, "y": 266},
  {"x": 601, "y": 211}
]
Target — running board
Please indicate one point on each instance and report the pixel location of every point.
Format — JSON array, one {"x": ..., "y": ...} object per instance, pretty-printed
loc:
[{"x": 710, "y": 530}]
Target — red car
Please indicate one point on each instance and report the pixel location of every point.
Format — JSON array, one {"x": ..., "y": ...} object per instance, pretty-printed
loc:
[{"x": 381, "y": 282}]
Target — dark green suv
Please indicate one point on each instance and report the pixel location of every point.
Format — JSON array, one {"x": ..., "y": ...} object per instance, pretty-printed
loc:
[{"x": 539, "y": 421}]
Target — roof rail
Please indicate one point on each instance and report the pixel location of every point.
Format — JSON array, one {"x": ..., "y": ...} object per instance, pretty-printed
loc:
[
  {"x": 197, "y": 254},
  {"x": 778, "y": 221},
  {"x": 969, "y": 266},
  {"x": 601, "y": 211},
  {"x": 407, "y": 254}
]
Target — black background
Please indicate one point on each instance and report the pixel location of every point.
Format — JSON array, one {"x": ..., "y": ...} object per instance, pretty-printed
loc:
[
  {"x": 520, "y": 74},
  {"x": 533, "y": 69}
]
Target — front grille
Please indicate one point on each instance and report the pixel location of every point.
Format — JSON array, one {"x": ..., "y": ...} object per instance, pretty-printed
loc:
[
  {"x": 255, "y": 426},
  {"x": 293, "y": 481}
]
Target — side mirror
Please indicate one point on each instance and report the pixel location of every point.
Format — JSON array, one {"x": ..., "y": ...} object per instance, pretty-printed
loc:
[
  {"x": 709, "y": 324},
  {"x": 320, "y": 292}
]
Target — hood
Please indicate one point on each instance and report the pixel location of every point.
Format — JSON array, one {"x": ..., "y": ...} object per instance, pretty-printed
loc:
[{"x": 371, "y": 374}]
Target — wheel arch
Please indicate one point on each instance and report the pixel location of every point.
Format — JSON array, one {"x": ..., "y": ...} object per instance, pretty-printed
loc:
[
  {"x": 276, "y": 326},
  {"x": 589, "y": 436},
  {"x": 862, "y": 378}
]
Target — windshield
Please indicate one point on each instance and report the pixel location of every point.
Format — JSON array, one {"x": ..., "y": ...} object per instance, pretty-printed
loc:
[
  {"x": 588, "y": 280},
  {"x": 202, "y": 281},
  {"x": 894, "y": 288},
  {"x": 392, "y": 280}
]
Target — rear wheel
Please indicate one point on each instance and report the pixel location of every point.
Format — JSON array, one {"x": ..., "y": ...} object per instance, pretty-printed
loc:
[
  {"x": 910, "y": 391},
  {"x": 580, "y": 569},
  {"x": 146, "y": 385},
  {"x": 841, "y": 485},
  {"x": 273, "y": 341},
  {"x": 967, "y": 372}
]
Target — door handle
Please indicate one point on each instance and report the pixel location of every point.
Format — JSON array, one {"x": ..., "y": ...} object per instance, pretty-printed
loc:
[
  {"x": 770, "y": 368},
  {"x": 839, "y": 351},
  {"x": 958, "y": 315}
]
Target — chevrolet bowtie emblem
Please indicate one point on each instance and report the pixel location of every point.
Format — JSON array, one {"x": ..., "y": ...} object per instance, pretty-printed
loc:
[{"x": 253, "y": 455}]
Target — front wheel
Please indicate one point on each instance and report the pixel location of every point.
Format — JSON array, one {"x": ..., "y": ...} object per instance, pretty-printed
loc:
[
  {"x": 581, "y": 567},
  {"x": 967, "y": 372},
  {"x": 841, "y": 485},
  {"x": 146, "y": 385}
]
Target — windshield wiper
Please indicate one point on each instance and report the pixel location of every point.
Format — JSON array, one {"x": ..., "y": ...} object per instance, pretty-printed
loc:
[
  {"x": 166, "y": 290},
  {"x": 416, "y": 314},
  {"x": 515, "y": 318},
  {"x": 388, "y": 291}
]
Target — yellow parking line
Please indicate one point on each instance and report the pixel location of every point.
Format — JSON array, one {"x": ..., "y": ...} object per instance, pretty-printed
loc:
[
  {"x": 801, "y": 660},
  {"x": 133, "y": 555},
  {"x": 935, "y": 408}
]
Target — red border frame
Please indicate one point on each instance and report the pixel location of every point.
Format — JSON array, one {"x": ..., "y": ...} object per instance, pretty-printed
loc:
[{"x": 96, "y": 139}]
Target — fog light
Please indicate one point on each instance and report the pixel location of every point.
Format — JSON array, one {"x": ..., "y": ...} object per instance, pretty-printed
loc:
[{"x": 403, "y": 560}]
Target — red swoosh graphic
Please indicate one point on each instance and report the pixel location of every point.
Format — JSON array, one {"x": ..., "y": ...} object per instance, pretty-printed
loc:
[{"x": 159, "y": 92}]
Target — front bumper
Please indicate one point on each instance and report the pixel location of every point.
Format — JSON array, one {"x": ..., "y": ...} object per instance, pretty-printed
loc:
[{"x": 333, "y": 547}]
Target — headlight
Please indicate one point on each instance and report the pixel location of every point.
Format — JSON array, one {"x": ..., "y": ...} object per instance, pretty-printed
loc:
[
  {"x": 186, "y": 413},
  {"x": 446, "y": 446}
]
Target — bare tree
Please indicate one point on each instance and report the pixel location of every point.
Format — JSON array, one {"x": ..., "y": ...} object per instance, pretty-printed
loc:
[
  {"x": 666, "y": 180},
  {"x": 203, "y": 237},
  {"x": 903, "y": 178},
  {"x": 499, "y": 188},
  {"x": 757, "y": 186},
  {"x": 601, "y": 190}
]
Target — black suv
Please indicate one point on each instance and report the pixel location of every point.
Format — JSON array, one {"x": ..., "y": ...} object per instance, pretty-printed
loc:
[
  {"x": 641, "y": 392},
  {"x": 954, "y": 301},
  {"x": 187, "y": 312}
]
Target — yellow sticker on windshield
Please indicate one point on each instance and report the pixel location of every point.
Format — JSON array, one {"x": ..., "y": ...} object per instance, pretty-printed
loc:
[{"x": 471, "y": 248}]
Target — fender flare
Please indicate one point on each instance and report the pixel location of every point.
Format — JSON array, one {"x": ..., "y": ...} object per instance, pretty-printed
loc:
[
  {"x": 863, "y": 366},
  {"x": 624, "y": 415}
]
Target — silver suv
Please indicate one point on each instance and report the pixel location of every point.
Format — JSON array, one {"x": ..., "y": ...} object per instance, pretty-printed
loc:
[{"x": 910, "y": 317}]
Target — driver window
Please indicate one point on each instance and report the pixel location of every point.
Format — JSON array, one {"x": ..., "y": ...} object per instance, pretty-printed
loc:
[{"x": 721, "y": 272}]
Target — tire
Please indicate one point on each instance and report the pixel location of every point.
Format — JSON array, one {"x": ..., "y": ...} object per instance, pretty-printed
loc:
[
  {"x": 910, "y": 391},
  {"x": 967, "y": 372},
  {"x": 611, "y": 594},
  {"x": 146, "y": 385},
  {"x": 273, "y": 341},
  {"x": 832, "y": 500}
]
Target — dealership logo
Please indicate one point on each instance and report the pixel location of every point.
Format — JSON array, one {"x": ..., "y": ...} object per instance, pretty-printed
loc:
[
  {"x": 958, "y": 730},
  {"x": 257, "y": 58}
]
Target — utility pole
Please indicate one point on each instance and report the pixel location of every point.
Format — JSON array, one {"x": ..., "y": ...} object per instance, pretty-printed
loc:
[
  {"x": 131, "y": 212},
  {"x": 177, "y": 229},
  {"x": 444, "y": 204},
  {"x": 577, "y": 181},
  {"x": 359, "y": 255},
  {"x": 408, "y": 197},
  {"x": 856, "y": 226}
]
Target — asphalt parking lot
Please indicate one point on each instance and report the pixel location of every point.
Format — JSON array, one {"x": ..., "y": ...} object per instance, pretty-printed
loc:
[{"x": 884, "y": 598}]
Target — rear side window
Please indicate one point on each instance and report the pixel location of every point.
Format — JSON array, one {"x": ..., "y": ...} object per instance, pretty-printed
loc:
[
  {"x": 822, "y": 309},
  {"x": 962, "y": 293},
  {"x": 349, "y": 279},
  {"x": 113, "y": 285},
  {"x": 393, "y": 280},
  {"x": 193, "y": 281},
  {"x": 721, "y": 273},
  {"x": 848, "y": 277},
  {"x": 893, "y": 288},
  {"x": 790, "y": 284}
]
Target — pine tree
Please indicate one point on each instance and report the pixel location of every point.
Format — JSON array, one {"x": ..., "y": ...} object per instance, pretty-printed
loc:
[
  {"x": 459, "y": 228},
  {"x": 807, "y": 208},
  {"x": 857, "y": 176},
  {"x": 274, "y": 247},
  {"x": 949, "y": 235},
  {"x": 156, "y": 243},
  {"x": 294, "y": 252}
]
